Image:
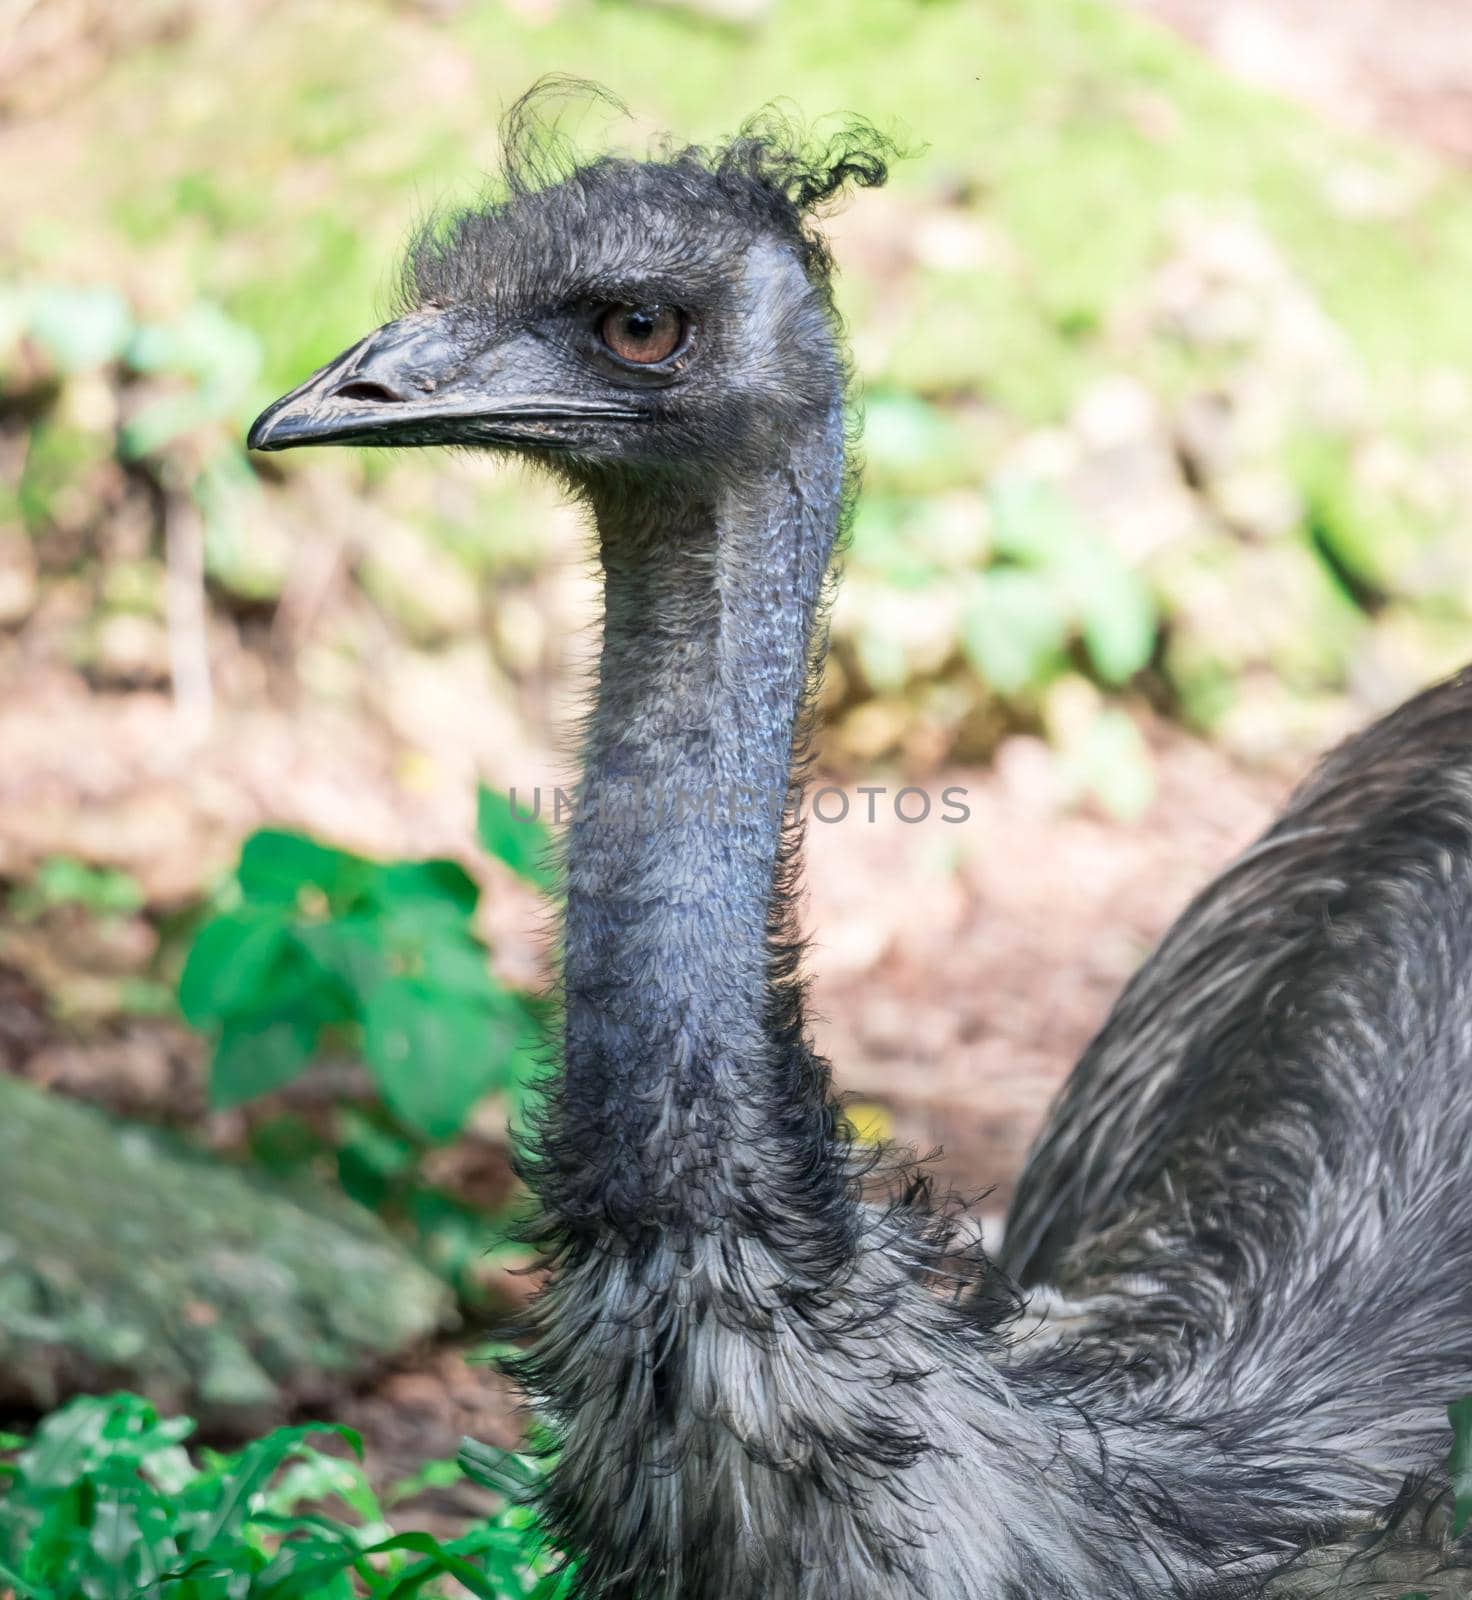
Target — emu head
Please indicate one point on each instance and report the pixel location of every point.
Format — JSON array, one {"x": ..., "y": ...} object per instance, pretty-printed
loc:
[{"x": 669, "y": 316}]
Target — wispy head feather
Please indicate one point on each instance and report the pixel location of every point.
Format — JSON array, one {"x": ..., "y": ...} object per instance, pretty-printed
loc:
[{"x": 775, "y": 174}]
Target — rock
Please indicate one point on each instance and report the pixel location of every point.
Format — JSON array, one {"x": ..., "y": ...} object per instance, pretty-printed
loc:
[
  {"x": 1259, "y": 503},
  {"x": 520, "y": 631},
  {"x": 1126, "y": 481},
  {"x": 129, "y": 1260},
  {"x": 130, "y": 649}
]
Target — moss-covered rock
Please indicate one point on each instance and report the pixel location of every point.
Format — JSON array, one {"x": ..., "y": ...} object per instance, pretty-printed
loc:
[{"x": 128, "y": 1260}]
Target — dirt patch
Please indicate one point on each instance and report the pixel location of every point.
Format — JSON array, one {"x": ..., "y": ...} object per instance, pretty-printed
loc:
[
  {"x": 957, "y": 978},
  {"x": 1401, "y": 66}
]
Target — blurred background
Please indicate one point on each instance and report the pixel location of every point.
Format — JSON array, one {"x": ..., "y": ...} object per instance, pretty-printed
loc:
[{"x": 1165, "y": 338}]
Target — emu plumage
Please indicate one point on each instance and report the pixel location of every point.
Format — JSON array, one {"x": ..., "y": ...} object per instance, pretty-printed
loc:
[{"x": 1249, "y": 1218}]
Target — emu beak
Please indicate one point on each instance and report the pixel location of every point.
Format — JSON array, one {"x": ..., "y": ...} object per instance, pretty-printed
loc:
[{"x": 412, "y": 383}]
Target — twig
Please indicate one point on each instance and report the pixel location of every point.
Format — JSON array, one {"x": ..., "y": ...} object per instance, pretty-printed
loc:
[{"x": 188, "y": 615}]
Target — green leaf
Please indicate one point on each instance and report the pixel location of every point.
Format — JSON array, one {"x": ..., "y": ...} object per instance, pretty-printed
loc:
[
  {"x": 231, "y": 965},
  {"x": 254, "y": 1058},
  {"x": 350, "y": 951},
  {"x": 65, "y": 1444},
  {"x": 370, "y": 1159},
  {"x": 60, "y": 1537},
  {"x": 1111, "y": 761},
  {"x": 411, "y": 926},
  {"x": 243, "y": 1477},
  {"x": 884, "y": 542},
  {"x": 438, "y": 1560},
  {"x": 314, "y": 1560},
  {"x": 454, "y": 1239},
  {"x": 80, "y": 328},
  {"x": 204, "y": 343},
  {"x": 314, "y": 1477},
  {"x": 434, "y": 1055},
  {"x": 555, "y": 1586},
  {"x": 902, "y": 431},
  {"x": 514, "y": 838},
  {"x": 23, "y": 1590},
  {"x": 1031, "y": 521},
  {"x": 1118, "y": 618},
  {"x": 507, "y": 1472},
  {"x": 236, "y": 1527},
  {"x": 1014, "y": 629},
  {"x": 132, "y": 1540},
  {"x": 280, "y": 868},
  {"x": 62, "y": 881},
  {"x": 460, "y": 967},
  {"x": 285, "y": 1144},
  {"x": 91, "y": 1429},
  {"x": 1459, "y": 1463},
  {"x": 434, "y": 881},
  {"x": 432, "y": 1475},
  {"x": 145, "y": 997}
]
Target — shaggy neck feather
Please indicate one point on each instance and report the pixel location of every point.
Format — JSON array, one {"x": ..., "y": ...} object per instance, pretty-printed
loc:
[
  {"x": 735, "y": 1354},
  {"x": 689, "y": 1102},
  {"x": 733, "y": 1350}
]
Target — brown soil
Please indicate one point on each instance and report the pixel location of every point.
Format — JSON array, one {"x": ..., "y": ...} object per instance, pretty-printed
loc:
[{"x": 1401, "y": 66}]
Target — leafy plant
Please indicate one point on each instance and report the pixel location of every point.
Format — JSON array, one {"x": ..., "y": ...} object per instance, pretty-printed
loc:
[
  {"x": 1459, "y": 1469},
  {"x": 1459, "y": 1463},
  {"x": 63, "y": 881},
  {"x": 382, "y": 955},
  {"x": 1054, "y": 579},
  {"x": 380, "y": 1166},
  {"x": 1018, "y": 604},
  {"x": 105, "y": 1503},
  {"x": 1106, "y": 757},
  {"x": 192, "y": 377},
  {"x": 517, "y": 841}
]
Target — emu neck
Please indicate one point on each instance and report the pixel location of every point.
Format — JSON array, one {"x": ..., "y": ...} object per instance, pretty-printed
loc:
[{"x": 688, "y": 1097}]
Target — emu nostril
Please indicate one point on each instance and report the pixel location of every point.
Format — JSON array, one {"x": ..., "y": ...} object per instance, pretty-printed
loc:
[{"x": 360, "y": 389}]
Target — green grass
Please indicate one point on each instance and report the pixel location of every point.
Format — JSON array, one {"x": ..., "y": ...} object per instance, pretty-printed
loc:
[
  {"x": 273, "y": 165},
  {"x": 281, "y": 160}
]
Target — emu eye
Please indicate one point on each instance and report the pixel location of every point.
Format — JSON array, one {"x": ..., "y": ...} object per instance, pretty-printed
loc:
[{"x": 642, "y": 334}]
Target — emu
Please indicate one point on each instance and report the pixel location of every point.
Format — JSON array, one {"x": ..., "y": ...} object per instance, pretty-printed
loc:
[{"x": 1248, "y": 1226}]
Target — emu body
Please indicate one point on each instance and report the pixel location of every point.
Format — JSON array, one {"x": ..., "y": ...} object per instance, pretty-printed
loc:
[{"x": 1250, "y": 1209}]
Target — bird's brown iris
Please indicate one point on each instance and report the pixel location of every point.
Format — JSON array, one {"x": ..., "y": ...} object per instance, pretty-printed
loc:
[{"x": 642, "y": 334}]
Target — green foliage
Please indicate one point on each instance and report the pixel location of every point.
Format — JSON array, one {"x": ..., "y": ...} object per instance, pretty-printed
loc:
[
  {"x": 981, "y": 324},
  {"x": 63, "y": 881},
  {"x": 1109, "y": 760},
  {"x": 196, "y": 373},
  {"x": 1459, "y": 1462},
  {"x": 105, "y": 1503},
  {"x": 514, "y": 838},
  {"x": 78, "y": 328},
  {"x": 1046, "y": 584},
  {"x": 382, "y": 955},
  {"x": 220, "y": 358},
  {"x": 378, "y": 1164},
  {"x": 1090, "y": 589}
]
